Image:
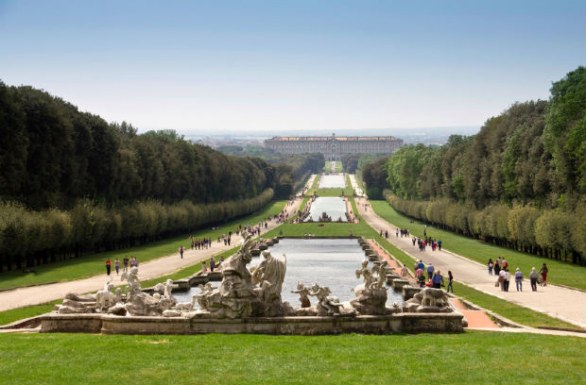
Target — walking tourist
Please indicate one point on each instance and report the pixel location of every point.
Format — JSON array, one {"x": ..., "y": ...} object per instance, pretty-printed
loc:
[
  {"x": 181, "y": 249},
  {"x": 430, "y": 270},
  {"x": 450, "y": 288},
  {"x": 502, "y": 279},
  {"x": 490, "y": 266},
  {"x": 437, "y": 280},
  {"x": 497, "y": 267},
  {"x": 507, "y": 279},
  {"x": 125, "y": 263},
  {"x": 420, "y": 276},
  {"x": 108, "y": 266},
  {"x": 519, "y": 279},
  {"x": 117, "y": 265},
  {"x": 543, "y": 273},
  {"x": 533, "y": 277}
]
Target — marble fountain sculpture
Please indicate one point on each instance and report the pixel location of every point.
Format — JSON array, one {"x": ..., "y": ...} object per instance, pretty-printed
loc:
[{"x": 249, "y": 301}]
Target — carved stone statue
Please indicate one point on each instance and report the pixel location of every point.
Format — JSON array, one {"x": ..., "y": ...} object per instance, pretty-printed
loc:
[
  {"x": 380, "y": 272},
  {"x": 303, "y": 294},
  {"x": 327, "y": 304},
  {"x": 143, "y": 304},
  {"x": 165, "y": 289},
  {"x": 101, "y": 301},
  {"x": 235, "y": 298},
  {"x": 201, "y": 298},
  {"x": 269, "y": 275},
  {"x": 428, "y": 300},
  {"x": 131, "y": 277},
  {"x": 366, "y": 273},
  {"x": 106, "y": 298},
  {"x": 371, "y": 296}
]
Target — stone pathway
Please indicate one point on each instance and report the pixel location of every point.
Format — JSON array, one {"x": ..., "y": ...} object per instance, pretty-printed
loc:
[
  {"x": 477, "y": 319},
  {"x": 563, "y": 303}
]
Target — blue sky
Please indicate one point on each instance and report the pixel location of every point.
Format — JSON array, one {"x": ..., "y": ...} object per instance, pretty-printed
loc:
[{"x": 216, "y": 66}]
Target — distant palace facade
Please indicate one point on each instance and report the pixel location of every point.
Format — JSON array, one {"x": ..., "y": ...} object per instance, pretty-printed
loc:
[{"x": 333, "y": 147}]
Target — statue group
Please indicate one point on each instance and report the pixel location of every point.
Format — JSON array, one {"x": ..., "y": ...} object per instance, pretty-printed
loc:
[{"x": 246, "y": 293}]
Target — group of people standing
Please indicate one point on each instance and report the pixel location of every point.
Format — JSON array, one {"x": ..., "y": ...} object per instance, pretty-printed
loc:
[
  {"x": 213, "y": 265},
  {"x": 126, "y": 262},
  {"x": 434, "y": 279},
  {"x": 501, "y": 269}
]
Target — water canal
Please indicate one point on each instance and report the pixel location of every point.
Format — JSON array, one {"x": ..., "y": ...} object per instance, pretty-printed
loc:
[
  {"x": 332, "y": 181},
  {"x": 328, "y": 262},
  {"x": 334, "y": 207}
]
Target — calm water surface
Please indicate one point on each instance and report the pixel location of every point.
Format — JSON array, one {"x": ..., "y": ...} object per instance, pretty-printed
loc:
[
  {"x": 332, "y": 181},
  {"x": 333, "y": 206},
  {"x": 328, "y": 262}
]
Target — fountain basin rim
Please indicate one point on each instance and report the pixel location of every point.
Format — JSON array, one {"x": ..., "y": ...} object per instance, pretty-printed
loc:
[{"x": 293, "y": 325}]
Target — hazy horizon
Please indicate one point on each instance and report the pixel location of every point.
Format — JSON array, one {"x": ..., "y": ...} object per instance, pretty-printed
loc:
[
  {"x": 340, "y": 132},
  {"x": 302, "y": 66}
]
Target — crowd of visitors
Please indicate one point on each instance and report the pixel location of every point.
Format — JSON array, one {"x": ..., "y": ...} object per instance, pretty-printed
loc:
[{"x": 500, "y": 267}]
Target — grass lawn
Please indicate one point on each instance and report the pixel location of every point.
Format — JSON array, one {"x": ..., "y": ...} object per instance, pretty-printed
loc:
[
  {"x": 9, "y": 316},
  {"x": 93, "y": 264},
  {"x": 332, "y": 192},
  {"x": 559, "y": 272},
  {"x": 470, "y": 358}
]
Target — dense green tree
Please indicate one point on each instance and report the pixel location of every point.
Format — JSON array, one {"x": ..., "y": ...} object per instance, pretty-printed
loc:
[
  {"x": 350, "y": 162},
  {"x": 13, "y": 145},
  {"x": 521, "y": 181},
  {"x": 71, "y": 183},
  {"x": 375, "y": 177},
  {"x": 565, "y": 134}
]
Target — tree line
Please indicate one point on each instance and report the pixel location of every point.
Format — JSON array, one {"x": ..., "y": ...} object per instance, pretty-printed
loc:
[
  {"x": 51, "y": 154},
  {"x": 520, "y": 182},
  {"x": 71, "y": 183},
  {"x": 31, "y": 237}
]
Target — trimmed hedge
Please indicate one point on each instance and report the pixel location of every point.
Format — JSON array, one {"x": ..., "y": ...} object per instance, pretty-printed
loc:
[{"x": 29, "y": 237}]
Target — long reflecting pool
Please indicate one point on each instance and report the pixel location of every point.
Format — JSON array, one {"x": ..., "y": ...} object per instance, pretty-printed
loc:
[
  {"x": 332, "y": 181},
  {"x": 335, "y": 207},
  {"x": 328, "y": 262}
]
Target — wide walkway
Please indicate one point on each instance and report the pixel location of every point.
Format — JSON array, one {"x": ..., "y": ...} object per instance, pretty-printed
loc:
[
  {"x": 36, "y": 295},
  {"x": 566, "y": 304}
]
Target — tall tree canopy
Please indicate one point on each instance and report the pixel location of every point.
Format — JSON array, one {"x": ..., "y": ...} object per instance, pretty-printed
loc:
[
  {"x": 52, "y": 155},
  {"x": 520, "y": 181}
]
